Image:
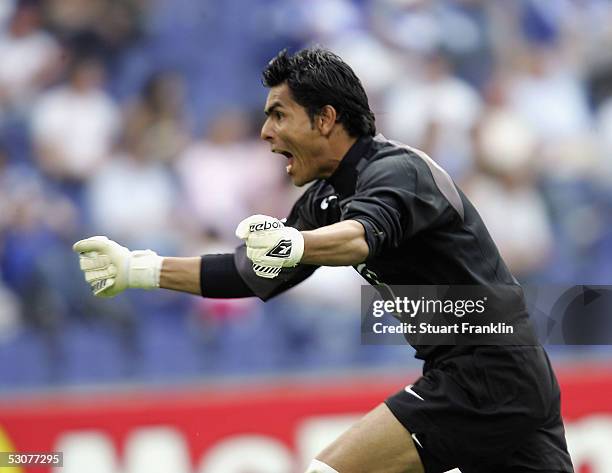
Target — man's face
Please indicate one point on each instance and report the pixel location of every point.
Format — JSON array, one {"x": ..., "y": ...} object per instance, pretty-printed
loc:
[{"x": 290, "y": 132}]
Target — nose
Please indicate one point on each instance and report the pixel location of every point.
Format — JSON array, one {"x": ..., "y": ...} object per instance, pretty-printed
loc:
[{"x": 266, "y": 131}]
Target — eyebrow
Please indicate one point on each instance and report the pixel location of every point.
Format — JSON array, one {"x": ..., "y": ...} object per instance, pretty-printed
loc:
[{"x": 272, "y": 107}]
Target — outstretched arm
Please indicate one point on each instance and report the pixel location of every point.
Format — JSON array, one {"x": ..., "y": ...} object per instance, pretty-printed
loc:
[{"x": 110, "y": 268}]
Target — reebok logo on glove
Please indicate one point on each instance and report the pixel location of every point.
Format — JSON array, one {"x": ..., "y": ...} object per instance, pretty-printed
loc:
[
  {"x": 256, "y": 227},
  {"x": 282, "y": 250}
]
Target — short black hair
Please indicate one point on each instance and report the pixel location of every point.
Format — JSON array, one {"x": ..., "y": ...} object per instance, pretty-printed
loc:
[{"x": 317, "y": 77}]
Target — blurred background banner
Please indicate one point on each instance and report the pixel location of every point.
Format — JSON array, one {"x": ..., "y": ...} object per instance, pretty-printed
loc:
[
  {"x": 265, "y": 427},
  {"x": 139, "y": 120}
]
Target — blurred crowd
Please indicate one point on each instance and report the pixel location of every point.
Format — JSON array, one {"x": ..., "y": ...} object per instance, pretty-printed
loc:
[{"x": 139, "y": 120}]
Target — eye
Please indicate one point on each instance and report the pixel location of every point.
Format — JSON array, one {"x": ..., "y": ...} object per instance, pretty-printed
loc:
[{"x": 278, "y": 115}]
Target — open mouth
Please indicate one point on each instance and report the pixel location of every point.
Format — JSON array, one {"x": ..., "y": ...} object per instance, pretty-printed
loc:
[{"x": 289, "y": 157}]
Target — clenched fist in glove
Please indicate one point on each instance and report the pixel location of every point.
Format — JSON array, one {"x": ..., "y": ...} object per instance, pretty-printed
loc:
[
  {"x": 270, "y": 245},
  {"x": 111, "y": 268}
]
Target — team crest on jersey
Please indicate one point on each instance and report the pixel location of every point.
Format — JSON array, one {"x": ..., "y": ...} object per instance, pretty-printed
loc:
[{"x": 281, "y": 250}]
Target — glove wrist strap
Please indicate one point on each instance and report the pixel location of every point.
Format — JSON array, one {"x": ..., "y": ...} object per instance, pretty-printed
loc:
[
  {"x": 297, "y": 240},
  {"x": 145, "y": 268}
]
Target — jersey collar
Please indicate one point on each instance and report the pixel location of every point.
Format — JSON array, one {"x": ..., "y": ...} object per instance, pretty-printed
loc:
[{"x": 344, "y": 178}]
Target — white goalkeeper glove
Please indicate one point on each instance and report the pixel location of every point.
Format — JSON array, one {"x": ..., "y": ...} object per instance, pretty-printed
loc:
[
  {"x": 111, "y": 268},
  {"x": 270, "y": 245}
]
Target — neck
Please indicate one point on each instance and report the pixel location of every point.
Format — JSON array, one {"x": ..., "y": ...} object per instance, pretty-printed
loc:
[{"x": 338, "y": 147}]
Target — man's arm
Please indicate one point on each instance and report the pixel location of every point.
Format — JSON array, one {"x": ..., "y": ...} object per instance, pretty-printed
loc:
[
  {"x": 181, "y": 274},
  {"x": 340, "y": 244},
  {"x": 110, "y": 268}
]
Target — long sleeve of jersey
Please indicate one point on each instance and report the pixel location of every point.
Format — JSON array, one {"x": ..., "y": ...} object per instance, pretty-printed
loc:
[{"x": 393, "y": 202}]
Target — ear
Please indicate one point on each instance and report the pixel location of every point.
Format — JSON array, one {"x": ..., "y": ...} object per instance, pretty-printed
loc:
[{"x": 326, "y": 119}]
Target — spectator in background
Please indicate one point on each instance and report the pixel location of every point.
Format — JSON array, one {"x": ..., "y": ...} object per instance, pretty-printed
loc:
[
  {"x": 29, "y": 57},
  {"x": 155, "y": 124},
  {"x": 96, "y": 27},
  {"x": 132, "y": 195},
  {"x": 10, "y": 317},
  {"x": 422, "y": 27},
  {"x": 31, "y": 218},
  {"x": 503, "y": 188},
  {"x": 7, "y": 9},
  {"x": 229, "y": 157},
  {"x": 436, "y": 112},
  {"x": 546, "y": 93},
  {"x": 604, "y": 127},
  {"x": 223, "y": 175},
  {"x": 38, "y": 292},
  {"x": 378, "y": 66},
  {"x": 75, "y": 125}
]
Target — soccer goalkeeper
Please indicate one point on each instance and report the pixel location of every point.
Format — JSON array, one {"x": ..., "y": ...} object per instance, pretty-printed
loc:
[{"x": 394, "y": 214}]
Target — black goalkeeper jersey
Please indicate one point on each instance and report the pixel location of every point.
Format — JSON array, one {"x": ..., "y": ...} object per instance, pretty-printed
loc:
[{"x": 420, "y": 228}]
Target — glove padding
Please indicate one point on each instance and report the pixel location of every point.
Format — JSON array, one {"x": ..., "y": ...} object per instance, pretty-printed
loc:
[
  {"x": 111, "y": 268},
  {"x": 270, "y": 245}
]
